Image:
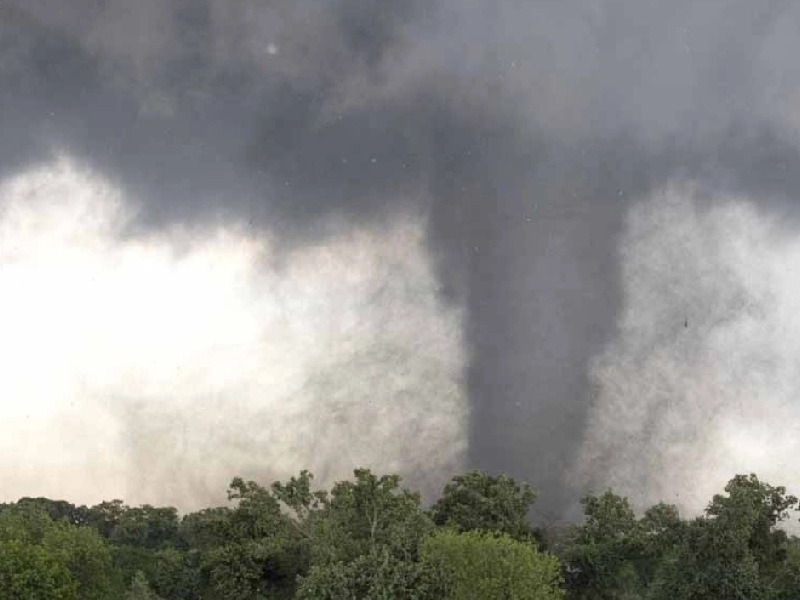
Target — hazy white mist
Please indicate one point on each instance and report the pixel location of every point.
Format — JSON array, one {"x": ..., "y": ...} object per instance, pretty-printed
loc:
[
  {"x": 703, "y": 378},
  {"x": 157, "y": 367}
]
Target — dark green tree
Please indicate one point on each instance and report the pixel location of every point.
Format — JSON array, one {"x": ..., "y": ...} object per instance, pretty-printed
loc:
[
  {"x": 600, "y": 554},
  {"x": 140, "y": 589},
  {"x": 753, "y": 509},
  {"x": 787, "y": 580},
  {"x": 478, "y": 565},
  {"x": 87, "y": 557},
  {"x": 476, "y": 501},
  {"x": 735, "y": 550},
  {"x": 254, "y": 550},
  {"x": 58, "y": 510},
  {"x": 104, "y": 516},
  {"x": 366, "y": 513},
  {"x": 29, "y": 534},
  {"x": 32, "y": 572},
  {"x": 376, "y": 575},
  {"x": 146, "y": 527}
]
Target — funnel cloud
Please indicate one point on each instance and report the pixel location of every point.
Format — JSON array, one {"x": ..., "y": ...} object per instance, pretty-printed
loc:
[{"x": 456, "y": 222}]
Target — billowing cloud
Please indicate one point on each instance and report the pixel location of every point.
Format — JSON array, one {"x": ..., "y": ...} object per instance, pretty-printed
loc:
[
  {"x": 155, "y": 367},
  {"x": 501, "y": 144},
  {"x": 701, "y": 380}
]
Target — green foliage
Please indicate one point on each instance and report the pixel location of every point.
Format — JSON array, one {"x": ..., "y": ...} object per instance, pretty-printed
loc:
[
  {"x": 660, "y": 530},
  {"x": 364, "y": 538},
  {"x": 146, "y": 527},
  {"x": 752, "y": 509},
  {"x": 734, "y": 551},
  {"x": 602, "y": 555},
  {"x": 67, "y": 556},
  {"x": 58, "y": 510},
  {"x": 175, "y": 574},
  {"x": 140, "y": 538},
  {"x": 264, "y": 567},
  {"x": 608, "y": 517},
  {"x": 709, "y": 563},
  {"x": 787, "y": 581},
  {"x": 105, "y": 516},
  {"x": 250, "y": 551},
  {"x": 206, "y": 528},
  {"x": 24, "y": 523},
  {"x": 86, "y": 556},
  {"x": 273, "y": 535},
  {"x": 368, "y": 512},
  {"x": 298, "y": 497},
  {"x": 32, "y": 572},
  {"x": 377, "y": 575},
  {"x": 476, "y": 501},
  {"x": 481, "y": 565},
  {"x": 140, "y": 589},
  {"x": 369, "y": 538}
]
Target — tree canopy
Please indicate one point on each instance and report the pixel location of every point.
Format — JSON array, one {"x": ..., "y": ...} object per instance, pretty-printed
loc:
[{"x": 370, "y": 537}]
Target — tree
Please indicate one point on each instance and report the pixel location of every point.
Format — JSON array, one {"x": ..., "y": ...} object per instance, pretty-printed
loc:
[
  {"x": 364, "y": 514},
  {"x": 206, "y": 528},
  {"x": 254, "y": 550},
  {"x": 660, "y": 531},
  {"x": 735, "y": 550},
  {"x": 480, "y": 565},
  {"x": 59, "y": 510},
  {"x": 176, "y": 574},
  {"x": 105, "y": 516},
  {"x": 140, "y": 589},
  {"x": 753, "y": 509},
  {"x": 600, "y": 554},
  {"x": 37, "y": 544},
  {"x": 787, "y": 581},
  {"x": 31, "y": 572},
  {"x": 476, "y": 501},
  {"x": 297, "y": 495},
  {"x": 363, "y": 537},
  {"x": 146, "y": 527},
  {"x": 377, "y": 575},
  {"x": 24, "y": 523},
  {"x": 87, "y": 557},
  {"x": 710, "y": 562}
]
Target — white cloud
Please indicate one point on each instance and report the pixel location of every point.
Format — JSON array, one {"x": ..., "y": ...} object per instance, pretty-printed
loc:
[
  {"x": 158, "y": 367},
  {"x": 702, "y": 381}
]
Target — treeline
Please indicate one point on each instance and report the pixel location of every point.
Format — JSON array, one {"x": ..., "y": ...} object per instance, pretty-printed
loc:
[{"x": 371, "y": 538}]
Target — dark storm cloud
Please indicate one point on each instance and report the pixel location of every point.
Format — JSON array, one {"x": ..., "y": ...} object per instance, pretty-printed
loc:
[{"x": 523, "y": 129}]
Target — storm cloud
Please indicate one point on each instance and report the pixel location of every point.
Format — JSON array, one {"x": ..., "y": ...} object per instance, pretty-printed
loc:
[{"x": 517, "y": 137}]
